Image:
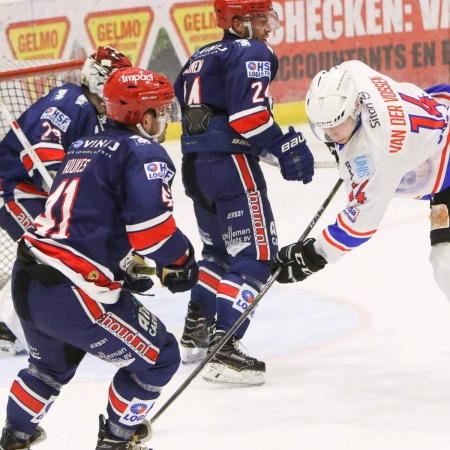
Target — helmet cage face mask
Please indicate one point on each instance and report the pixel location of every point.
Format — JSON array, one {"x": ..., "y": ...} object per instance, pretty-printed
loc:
[
  {"x": 332, "y": 98},
  {"x": 259, "y": 21},
  {"x": 165, "y": 114},
  {"x": 94, "y": 76}
]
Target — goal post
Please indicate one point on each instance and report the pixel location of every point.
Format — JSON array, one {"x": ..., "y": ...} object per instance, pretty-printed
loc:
[{"x": 22, "y": 83}]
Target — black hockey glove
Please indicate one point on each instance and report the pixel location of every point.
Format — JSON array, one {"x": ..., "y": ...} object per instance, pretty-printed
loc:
[
  {"x": 294, "y": 156},
  {"x": 297, "y": 261},
  {"x": 135, "y": 281},
  {"x": 180, "y": 278}
]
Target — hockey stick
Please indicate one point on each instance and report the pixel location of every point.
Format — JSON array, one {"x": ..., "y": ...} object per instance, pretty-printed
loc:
[
  {"x": 26, "y": 144},
  {"x": 273, "y": 161},
  {"x": 325, "y": 164},
  {"x": 247, "y": 312}
]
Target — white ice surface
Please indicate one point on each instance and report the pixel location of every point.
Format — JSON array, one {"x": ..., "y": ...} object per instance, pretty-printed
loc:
[{"x": 358, "y": 356}]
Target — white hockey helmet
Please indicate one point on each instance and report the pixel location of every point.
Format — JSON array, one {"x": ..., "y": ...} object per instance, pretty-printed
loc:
[
  {"x": 332, "y": 98},
  {"x": 97, "y": 68}
]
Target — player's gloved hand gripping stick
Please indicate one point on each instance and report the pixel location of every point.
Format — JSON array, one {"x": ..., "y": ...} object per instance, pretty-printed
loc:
[{"x": 247, "y": 312}]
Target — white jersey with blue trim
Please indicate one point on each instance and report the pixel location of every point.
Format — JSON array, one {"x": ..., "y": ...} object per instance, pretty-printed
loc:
[{"x": 400, "y": 148}]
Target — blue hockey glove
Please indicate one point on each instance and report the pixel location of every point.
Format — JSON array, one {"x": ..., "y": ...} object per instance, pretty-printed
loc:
[
  {"x": 297, "y": 261},
  {"x": 294, "y": 156},
  {"x": 180, "y": 278}
]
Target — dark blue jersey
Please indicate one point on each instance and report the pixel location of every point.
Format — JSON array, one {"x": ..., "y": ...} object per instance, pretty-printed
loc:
[
  {"x": 232, "y": 77},
  {"x": 111, "y": 195},
  {"x": 51, "y": 125}
]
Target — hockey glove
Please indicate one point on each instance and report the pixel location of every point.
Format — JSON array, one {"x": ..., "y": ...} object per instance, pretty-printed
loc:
[
  {"x": 294, "y": 156},
  {"x": 297, "y": 261},
  {"x": 137, "y": 282},
  {"x": 180, "y": 278}
]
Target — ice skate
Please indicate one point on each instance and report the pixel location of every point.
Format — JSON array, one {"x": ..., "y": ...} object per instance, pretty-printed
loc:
[
  {"x": 9, "y": 344},
  {"x": 197, "y": 330},
  {"x": 8, "y": 441},
  {"x": 230, "y": 366},
  {"x": 142, "y": 435}
]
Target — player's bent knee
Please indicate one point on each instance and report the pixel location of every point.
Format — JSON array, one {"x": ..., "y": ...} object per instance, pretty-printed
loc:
[{"x": 166, "y": 365}]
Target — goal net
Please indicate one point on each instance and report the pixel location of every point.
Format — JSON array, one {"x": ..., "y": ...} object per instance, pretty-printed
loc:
[{"x": 21, "y": 84}]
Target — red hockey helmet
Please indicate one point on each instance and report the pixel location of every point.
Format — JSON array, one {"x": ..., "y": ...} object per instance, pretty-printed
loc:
[
  {"x": 97, "y": 68},
  {"x": 130, "y": 92},
  {"x": 226, "y": 9}
]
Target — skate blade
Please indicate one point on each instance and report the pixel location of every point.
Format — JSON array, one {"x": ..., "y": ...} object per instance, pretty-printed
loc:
[
  {"x": 192, "y": 355},
  {"x": 221, "y": 374}
]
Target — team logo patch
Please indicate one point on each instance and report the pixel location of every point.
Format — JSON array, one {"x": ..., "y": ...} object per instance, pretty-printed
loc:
[
  {"x": 77, "y": 144},
  {"x": 158, "y": 171},
  {"x": 81, "y": 100},
  {"x": 60, "y": 94},
  {"x": 248, "y": 296},
  {"x": 415, "y": 180},
  {"x": 93, "y": 276},
  {"x": 439, "y": 217},
  {"x": 136, "y": 411},
  {"x": 352, "y": 213},
  {"x": 57, "y": 118},
  {"x": 243, "y": 299},
  {"x": 361, "y": 166},
  {"x": 243, "y": 43},
  {"x": 258, "y": 69},
  {"x": 138, "y": 408}
]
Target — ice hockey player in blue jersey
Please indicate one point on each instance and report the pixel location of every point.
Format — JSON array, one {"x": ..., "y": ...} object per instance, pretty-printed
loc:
[
  {"x": 51, "y": 124},
  {"x": 228, "y": 123},
  {"x": 74, "y": 278}
]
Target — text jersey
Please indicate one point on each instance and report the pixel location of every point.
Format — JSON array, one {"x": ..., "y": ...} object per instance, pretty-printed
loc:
[
  {"x": 111, "y": 194},
  {"x": 400, "y": 148},
  {"x": 51, "y": 125},
  {"x": 232, "y": 77}
]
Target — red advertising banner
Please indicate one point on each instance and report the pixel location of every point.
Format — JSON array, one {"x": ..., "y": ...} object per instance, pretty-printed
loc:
[{"x": 408, "y": 40}]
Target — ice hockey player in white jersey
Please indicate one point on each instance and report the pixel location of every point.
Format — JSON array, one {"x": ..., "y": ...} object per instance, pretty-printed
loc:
[{"x": 392, "y": 140}]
